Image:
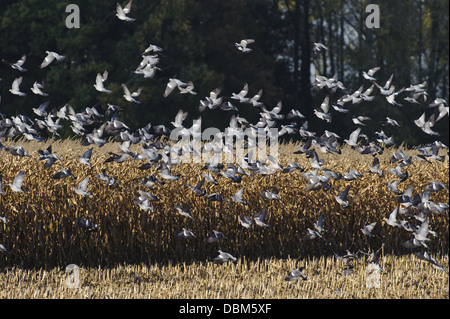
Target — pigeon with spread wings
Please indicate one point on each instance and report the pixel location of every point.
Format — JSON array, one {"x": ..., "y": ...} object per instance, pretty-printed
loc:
[{"x": 242, "y": 46}]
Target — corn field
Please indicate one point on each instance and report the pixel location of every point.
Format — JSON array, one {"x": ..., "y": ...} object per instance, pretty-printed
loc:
[{"x": 41, "y": 229}]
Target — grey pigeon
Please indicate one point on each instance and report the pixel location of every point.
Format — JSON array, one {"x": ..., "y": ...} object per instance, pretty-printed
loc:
[
  {"x": 215, "y": 237},
  {"x": 82, "y": 187},
  {"x": 84, "y": 223},
  {"x": 16, "y": 186},
  {"x": 85, "y": 158},
  {"x": 367, "y": 229},
  {"x": 259, "y": 218},
  {"x": 224, "y": 257},
  {"x": 295, "y": 274},
  {"x": 185, "y": 234}
]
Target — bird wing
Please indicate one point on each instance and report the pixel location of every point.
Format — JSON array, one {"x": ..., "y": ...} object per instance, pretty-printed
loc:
[
  {"x": 119, "y": 10},
  {"x": 393, "y": 215},
  {"x": 244, "y": 42},
  {"x": 372, "y": 71},
  {"x": 370, "y": 227},
  {"x": 262, "y": 215},
  {"x": 127, "y": 8},
  {"x": 343, "y": 194},
  {"x": 125, "y": 89},
  {"x": 137, "y": 92},
  {"x": 388, "y": 82},
  {"x": 87, "y": 154},
  {"x": 354, "y": 135},
  {"x": 423, "y": 229},
  {"x": 170, "y": 86},
  {"x": 19, "y": 179},
  {"x": 238, "y": 196},
  {"x": 99, "y": 80},
  {"x": 244, "y": 90},
  {"x": 47, "y": 60},
  {"x": 16, "y": 83},
  {"x": 325, "y": 106},
  {"x": 21, "y": 61},
  {"x": 83, "y": 184}
]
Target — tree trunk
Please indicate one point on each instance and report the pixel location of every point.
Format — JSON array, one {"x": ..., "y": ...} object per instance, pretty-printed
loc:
[
  {"x": 330, "y": 41},
  {"x": 434, "y": 56},
  {"x": 296, "y": 22},
  {"x": 305, "y": 71},
  {"x": 420, "y": 42},
  {"x": 341, "y": 43}
]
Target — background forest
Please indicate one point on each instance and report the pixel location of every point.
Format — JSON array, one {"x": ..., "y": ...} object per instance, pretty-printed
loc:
[{"x": 198, "y": 41}]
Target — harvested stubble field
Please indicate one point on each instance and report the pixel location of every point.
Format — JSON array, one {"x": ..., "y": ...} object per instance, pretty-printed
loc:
[
  {"x": 140, "y": 248},
  {"x": 406, "y": 277}
]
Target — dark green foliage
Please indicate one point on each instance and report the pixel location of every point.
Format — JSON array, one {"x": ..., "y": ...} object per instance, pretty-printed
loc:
[{"x": 198, "y": 41}]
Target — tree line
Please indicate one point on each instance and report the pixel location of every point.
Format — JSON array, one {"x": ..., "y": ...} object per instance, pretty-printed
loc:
[{"x": 198, "y": 39}]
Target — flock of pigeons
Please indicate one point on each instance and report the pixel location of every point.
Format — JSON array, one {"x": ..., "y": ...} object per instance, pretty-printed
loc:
[{"x": 154, "y": 153}]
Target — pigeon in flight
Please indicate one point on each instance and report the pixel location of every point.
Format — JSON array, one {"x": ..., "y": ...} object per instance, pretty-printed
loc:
[
  {"x": 425, "y": 256},
  {"x": 224, "y": 257},
  {"x": 185, "y": 234},
  {"x": 387, "y": 89},
  {"x": 152, "y": 48},
  {"x": 342, "y": 196},
  {"x": 121, "y": 13},
  {"x": 246, "y": 221},
  {"x": 197, "y": 188},
  {"x": 99, "y": 82},
  {"x": 241, "y": 95},
  {"x": 16, "y": 186},
  {"x": 391, "y": 122},
  {"x": 182, "y": 87},
  {"x": 179, "y": 118},
  {"x": 36, "y": 89},
  {"x": 51, "y": 56},
  {"x": 215, "y": 237},
  {"x": 242, "y": 46},
  {"x": 259, "y": 218},
  {"x": 295, "y": 274},
  {"x": 110, "y": 181},
  {"x": 392, "y": 220},
  {"x": 85, "y": 158},
  {"x": 183, "y": 210},
  {"x": 18, "y": 65},
  {"x": 375, "y": 167},
  {"x": 319, "y": 224},
  {"x": 85, "y": 223},
  {"x": 63, "y": 174},
  {"x": 367, "y": 229},
  {"x": 41, "y": 110},
  {"x": 82, "y": 187},
  {"x": 369, "y": 74},
  {"x": 271, "y": 195},
  {"x": 15, "y": 87},
  {"x": 312, "y": 234},
  {"x": 319, "y": 48},
  {"x": 353, "y": 139},
  {"x": 324, "y": 106},
  {"x": 130, "y": 97},
  {"x": 212, "y": 101},
  {"x": 238, "y": 197}
]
